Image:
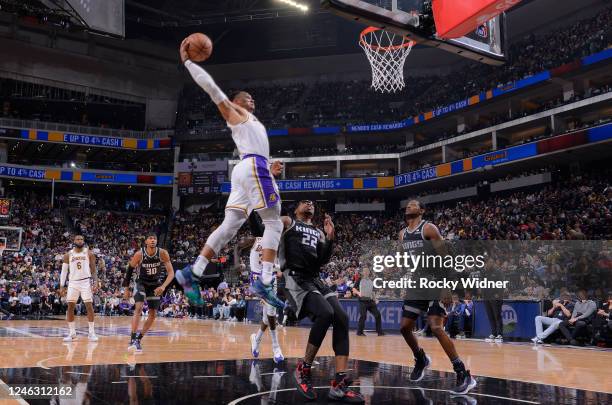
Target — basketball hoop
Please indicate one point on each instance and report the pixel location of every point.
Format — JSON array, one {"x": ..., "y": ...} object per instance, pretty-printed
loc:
[{"x": 387, "y": 53}]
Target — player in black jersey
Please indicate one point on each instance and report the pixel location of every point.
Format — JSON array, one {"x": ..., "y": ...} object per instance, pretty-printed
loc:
[
  {"x": 148, "y": 286},
  {"x": 422, "y": 237},
  {"x": 303, "y": 250}
]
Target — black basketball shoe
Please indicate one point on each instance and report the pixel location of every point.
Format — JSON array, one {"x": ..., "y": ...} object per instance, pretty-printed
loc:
[
  {"x": 303, "y": 382},
  {"x": 465, "y": 382},
  {"x": 340, "y": 391},
  {"x": 422, "y": 362}
]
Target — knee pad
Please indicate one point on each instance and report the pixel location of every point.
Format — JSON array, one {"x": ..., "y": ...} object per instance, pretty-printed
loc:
[
  {"x": 227, "y": 230},
  {"x": 273, "y": 227},
  {"x": 270, "y": 310}
]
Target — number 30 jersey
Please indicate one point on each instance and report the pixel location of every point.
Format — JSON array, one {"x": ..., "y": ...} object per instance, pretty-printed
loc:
[
  {"x": 299, "y": 249},
  {"x": 150, "y": 268}
]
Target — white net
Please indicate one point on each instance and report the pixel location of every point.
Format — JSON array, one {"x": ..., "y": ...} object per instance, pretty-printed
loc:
[{"x": 387, "y": 54}]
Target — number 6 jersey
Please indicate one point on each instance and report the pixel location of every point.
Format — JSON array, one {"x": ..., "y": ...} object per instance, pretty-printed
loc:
[{"x": 79, "y": 264}]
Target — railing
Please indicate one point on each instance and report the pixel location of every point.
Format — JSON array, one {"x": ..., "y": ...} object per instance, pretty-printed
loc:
[{"x": 80, "y": 129}]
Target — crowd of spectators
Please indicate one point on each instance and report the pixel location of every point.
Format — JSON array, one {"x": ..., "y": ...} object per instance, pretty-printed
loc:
[{"x": 577, "y": 207}]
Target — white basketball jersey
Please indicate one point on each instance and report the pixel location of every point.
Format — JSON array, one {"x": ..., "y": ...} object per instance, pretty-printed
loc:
[
  {"x": 79, "y": 264},
  {"x": 255, "y": 257},
  {"x": 251, "y": 137}
]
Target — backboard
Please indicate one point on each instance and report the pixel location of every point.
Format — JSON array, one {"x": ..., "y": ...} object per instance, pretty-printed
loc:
[
  {"x": 414, "y": 19},
  {"x": 11, "y": 236}
]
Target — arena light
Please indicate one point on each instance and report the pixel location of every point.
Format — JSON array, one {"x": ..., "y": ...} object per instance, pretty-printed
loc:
[{"x": 295, "y": 4}]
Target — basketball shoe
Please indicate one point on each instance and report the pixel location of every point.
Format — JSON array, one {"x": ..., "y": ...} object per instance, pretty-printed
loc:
[
  {"x": 266, "y": 293},
  {"x": 190, "y": 284},
  {"x": 422, "y": 362},
  {"x": 465, "y": 381},
  {"x": 303, "y": 381},
  {"x": 340, "y": 391}
]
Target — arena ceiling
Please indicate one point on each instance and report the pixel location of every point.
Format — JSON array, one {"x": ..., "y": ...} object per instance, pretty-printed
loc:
[{"x": 248, "y": 30}]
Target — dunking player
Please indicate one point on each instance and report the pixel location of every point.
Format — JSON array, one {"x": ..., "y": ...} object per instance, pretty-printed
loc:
[
  {"x": 422, "y": 237},
  {"x": 79, "y": 265},
  {"x": 304, "y": 249},
  {"x": 268, "y": 318},
  {"x": 253, "y": 187},
  {"x": 150, "y": 259}
]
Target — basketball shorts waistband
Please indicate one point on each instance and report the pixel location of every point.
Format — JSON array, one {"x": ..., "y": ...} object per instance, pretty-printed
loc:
[{"x": 250, "y": 155}]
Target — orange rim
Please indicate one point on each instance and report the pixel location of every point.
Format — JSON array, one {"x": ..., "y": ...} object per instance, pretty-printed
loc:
[{"x": 369, "y": 30}]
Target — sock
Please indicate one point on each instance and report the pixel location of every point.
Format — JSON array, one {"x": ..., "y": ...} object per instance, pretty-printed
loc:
[
  {"x": 133, "y": 336},
  {"x": 72, "y": 328},
  {"x": 199, "y": 266},
  {"x": 458, "y": 364},
  {"x": 274, "y": 338},
  {"x": 340, "y": 375},
  {"x": 259, "y": 336},
  {"x": 92, "y": 331},
  {"x": 306, "y": 365},
  {"x": 139, "y": 336},
  {"x": 267, "y": 273},
  {"x": 420, "y": 354}
]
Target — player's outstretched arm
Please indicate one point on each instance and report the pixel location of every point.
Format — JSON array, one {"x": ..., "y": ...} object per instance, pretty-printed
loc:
[
  {"x": 165, "y": 258},
  {"x": 64, "y": 273},
  {"x": 232, "y": 113},
  {"x": 92, "y": 269},
  {"x": 133, "y": 263}
]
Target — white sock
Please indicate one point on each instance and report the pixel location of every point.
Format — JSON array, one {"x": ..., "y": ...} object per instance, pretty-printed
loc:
[
  {"x": 274, "y": 338},
  {"x": 92, "y": 331},
  {"x": 72, "y": 328},
  {"x": 267, "y": 273},
  {"x": 259, "y": 336},
  {"x": 200, "y": 266}
]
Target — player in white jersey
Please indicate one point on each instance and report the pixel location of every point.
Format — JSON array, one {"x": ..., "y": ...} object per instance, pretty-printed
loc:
[
  {"x": 253, "y": 186},
  {"x": 268, "y": 316},
  {"x": 79, "y": 265}
]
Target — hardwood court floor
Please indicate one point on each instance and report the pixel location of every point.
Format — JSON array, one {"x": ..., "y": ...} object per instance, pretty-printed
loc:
[{"x": 38, "y": 344}]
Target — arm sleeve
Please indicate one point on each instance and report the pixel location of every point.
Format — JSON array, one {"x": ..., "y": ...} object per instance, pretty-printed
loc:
[
  {"x": 324, "y": 251},
  {"x": 63, "y": 274},
  {"x": 206, "y": 82},
  {"x": 255, "y": 224},
  {"x": 128, "y": 276}
]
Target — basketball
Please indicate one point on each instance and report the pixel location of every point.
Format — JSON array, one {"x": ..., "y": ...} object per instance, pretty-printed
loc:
[{"x": 200, "y": 47}]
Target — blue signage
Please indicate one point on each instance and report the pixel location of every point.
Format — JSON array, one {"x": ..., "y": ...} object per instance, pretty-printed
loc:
[
  {"x": 415, "y": 177},
  {"x": 93, "y": 140},
  {"x": 505, "y": 155},
  {"x": 518, "y": 318},
  {"x": 10, "y": 171}
]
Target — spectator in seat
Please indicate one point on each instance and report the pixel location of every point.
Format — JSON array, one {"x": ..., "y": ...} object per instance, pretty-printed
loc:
[
  {"x": 239, "y": 309},
  {"x": 602, "y": 323},
  {"x": 560, "y": 311},
  {"x": 25, "y": 303},
  {"x": 13, "y": 303},
  {"x": 469, "y": 313},
  {"x": 455, "y": 322},
  {"x": 576, "y": 326},
  {"x": 124, "y": 307}
]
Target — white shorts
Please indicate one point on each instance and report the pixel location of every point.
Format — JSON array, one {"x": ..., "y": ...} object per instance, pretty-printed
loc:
[
  {"x": 253, "y": 186},
  {"x": 80, "y": 288}
]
